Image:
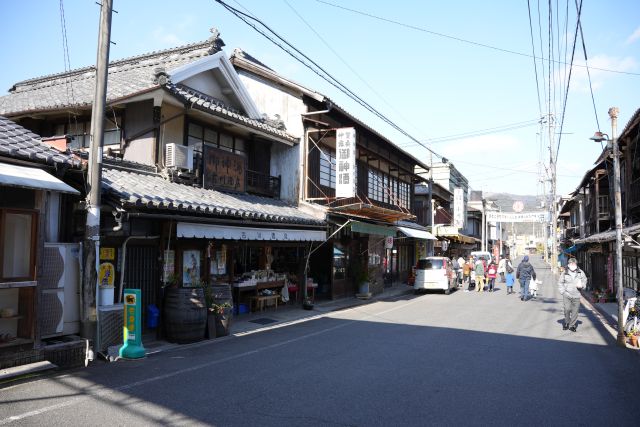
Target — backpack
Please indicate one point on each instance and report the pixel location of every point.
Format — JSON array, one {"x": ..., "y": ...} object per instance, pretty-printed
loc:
[{"x": 479, "y": 269}]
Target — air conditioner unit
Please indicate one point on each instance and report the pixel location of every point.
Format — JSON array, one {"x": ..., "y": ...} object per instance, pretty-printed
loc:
[{"x": 179, "y": 156}]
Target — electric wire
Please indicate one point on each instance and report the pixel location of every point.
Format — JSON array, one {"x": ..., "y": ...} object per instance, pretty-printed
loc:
[
  {"x": 346, "y": 64},
  {"x": 564, "y": 108},
  {"x": 535, "y": 67},
  {"x": 472, "y": 134},
  {"x": 424, "y": 30},
  {"x": 318, "y": 70}
]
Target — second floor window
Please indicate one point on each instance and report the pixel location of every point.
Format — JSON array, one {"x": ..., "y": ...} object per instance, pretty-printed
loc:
[
  {"x": 198, "y": 135},
  {"x": 80, "y": 131},
  {"x": 328, "y": 169}
]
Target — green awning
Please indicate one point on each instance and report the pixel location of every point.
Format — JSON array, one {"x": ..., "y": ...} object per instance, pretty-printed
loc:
[{"x": 366, "y": 228}]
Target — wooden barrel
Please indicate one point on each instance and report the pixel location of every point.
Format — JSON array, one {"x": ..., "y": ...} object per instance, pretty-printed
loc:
[{"x": 185, "y": 315}]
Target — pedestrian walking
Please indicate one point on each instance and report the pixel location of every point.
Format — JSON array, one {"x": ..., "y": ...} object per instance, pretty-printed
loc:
[
  {"x": 570, "y": 282},
  {"x": 502, "y": 268},
  {"x": 466, "y": 274},
  {"x": 510, "y": 280},
  {"x": 525, "y": 273},
  {"x": 461, "y": 264},
  {"x": 479, "y": 270},
  {"x": 492, "y": 272}
]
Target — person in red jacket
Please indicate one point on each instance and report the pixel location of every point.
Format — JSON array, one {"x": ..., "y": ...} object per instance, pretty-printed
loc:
[{"x": 492, "y": 272}]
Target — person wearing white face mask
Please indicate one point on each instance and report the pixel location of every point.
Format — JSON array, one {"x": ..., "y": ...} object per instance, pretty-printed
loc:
[{"x": 571, "y": 281}]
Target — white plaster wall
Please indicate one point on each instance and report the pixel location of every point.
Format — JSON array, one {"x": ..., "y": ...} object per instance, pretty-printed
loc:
[
  {"x": 207, "y": 83},
  {"x": 139, "y": 116},
  {"x": 171, "y": 132},
  {"x": 285, "y": 161},
  {"x": 272, "y": 99}
]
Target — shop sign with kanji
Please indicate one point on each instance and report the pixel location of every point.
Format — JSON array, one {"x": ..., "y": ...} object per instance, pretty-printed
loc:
[{"x": 345, "y": 162}]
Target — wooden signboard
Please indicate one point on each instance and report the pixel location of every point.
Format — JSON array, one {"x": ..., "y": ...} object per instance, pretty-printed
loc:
[{"x": 223, "y": 170}]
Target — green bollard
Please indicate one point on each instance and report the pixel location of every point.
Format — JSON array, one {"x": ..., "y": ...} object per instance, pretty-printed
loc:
[{"x": 132, "y": 348}]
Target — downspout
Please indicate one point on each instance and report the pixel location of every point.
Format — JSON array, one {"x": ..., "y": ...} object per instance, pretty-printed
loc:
[{"x": 124, "y": 261}]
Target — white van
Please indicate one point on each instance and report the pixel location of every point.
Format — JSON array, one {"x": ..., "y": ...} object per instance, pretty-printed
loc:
[
  {"x": 434, "y": 272},
  {"x": 482, "y": 255}
]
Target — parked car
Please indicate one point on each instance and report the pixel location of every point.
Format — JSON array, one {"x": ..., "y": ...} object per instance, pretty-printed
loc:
[
  {"x": 434, "y": 272},
  {"x": 482, "y": 255}
]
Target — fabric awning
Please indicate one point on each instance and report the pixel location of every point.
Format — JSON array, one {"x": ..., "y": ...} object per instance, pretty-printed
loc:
[
  {"x": 366, "y": 228},
  {"x": 417, "y": 234},
  {"x": 24, "y": 177},
  {"x": 212, "y": 231}
]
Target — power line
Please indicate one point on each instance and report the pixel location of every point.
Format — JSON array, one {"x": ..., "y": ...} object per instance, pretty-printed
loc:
[
  {"x": 424, "y": 30},
  {"x": 477, "y": 133},
  {"x": 584, "y": 50},
  {"x": 535, "y": 67},
  {"x": 321, "y": 72},
  {"x": 573, "y": 51},
  {"x": 346, "y": 64}
]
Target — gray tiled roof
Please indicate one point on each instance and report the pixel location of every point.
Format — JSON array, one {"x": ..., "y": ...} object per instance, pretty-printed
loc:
[
  {"x": 75, "y": 88},
  {"x": 127, "y": 77},
  {"x": 152, "y": 191},
  {"x": 217, "y": 107},
  {"x": 21, "y": 143}
]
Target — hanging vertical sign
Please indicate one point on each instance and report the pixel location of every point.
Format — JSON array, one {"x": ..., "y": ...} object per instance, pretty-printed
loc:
[
  {"x": 345, "y": 162},
  {"x": 132, "y": 348},
  {"x": 458, "y": 208}
]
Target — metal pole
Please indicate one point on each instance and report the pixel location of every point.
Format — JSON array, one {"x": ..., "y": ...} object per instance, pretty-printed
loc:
[
  {"x": 430, "y": 205},
  {"x": 613, "y": 114},
  {"x": 554, "y": 214},
  {"x": 89, "y": 314},
  {"x": 483, "y": 246}
]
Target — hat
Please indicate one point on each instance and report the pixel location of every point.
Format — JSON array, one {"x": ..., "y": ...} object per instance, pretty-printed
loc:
[
  {"x": 572, "y": 260},
  {"x": 526, "y": 258}
]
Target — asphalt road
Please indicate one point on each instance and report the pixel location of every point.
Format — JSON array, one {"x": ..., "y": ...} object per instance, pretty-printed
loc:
[{"x": 461, "y": 359}]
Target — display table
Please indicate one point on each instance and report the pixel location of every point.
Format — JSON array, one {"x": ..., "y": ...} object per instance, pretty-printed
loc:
[{"x": 253, "y": 291}]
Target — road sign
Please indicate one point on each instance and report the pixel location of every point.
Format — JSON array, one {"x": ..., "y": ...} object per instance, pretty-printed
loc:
[{"x": 518, "y": 206}]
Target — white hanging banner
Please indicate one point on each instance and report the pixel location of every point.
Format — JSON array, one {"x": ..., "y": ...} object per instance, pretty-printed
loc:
[
  {"x": 518, "y": 217},
  {"x": 345, "y": 162},
  {"x": 459, "y": 211}
]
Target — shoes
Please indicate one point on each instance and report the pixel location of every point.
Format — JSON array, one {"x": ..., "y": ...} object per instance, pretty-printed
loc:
[
  {"x": 521, "y": 298},
  {"x": 565, "y": 326},
  {"x": 572, "y": 329}
]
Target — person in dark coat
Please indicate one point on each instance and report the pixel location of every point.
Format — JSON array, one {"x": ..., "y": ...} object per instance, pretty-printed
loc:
[
  {"x": 571, "y": 281},
  {"x": 525, "y": 273}
]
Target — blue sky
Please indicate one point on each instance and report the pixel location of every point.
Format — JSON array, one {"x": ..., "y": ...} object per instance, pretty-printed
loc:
[{"x": 432, "y": 86}]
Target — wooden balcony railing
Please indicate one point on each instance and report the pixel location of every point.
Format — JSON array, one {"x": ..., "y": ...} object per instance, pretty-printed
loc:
[{"x": 263, "y": 184}]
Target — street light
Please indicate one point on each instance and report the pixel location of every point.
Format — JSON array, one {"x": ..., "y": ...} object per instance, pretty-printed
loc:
[{"x": 613, "y": 144}]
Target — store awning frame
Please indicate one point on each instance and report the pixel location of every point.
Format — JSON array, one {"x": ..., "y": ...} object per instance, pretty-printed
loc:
[
  {"x": 417, "y": 234},
  {"x": 32, "y": 178},
  {"x": 226, "y": 232},
  {"x": 367, "y": 228}
]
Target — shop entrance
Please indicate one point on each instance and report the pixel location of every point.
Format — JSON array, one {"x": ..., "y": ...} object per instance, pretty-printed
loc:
[{"x": 141, "y": 272}]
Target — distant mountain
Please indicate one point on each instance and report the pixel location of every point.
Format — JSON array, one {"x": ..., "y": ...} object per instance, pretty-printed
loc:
[
  {"x": 506, "y": 200},
  {"x": 531, "y": 203}
]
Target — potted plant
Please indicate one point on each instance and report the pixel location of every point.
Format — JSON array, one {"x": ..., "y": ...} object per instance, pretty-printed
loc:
[
  {"x": 633, "y": 337},
  {"x": 221, "y": 314},
  {"x": 360, "y": 277},
  {"x": 307, "y": 303}
]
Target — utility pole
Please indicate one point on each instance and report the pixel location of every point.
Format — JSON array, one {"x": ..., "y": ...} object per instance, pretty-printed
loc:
[
  {"x": 613, "y": 114},
  {"x": 430, "y": 205},
  {"x": 483, "y": 245},
  {"x": 89, "y": 309},
  {"x": 553, "y": 222}
]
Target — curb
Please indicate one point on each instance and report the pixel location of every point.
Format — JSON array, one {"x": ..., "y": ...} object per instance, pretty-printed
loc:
[{"x": 610, "y": 324}]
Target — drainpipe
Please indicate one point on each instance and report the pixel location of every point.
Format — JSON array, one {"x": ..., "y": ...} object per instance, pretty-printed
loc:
[{"x": 124, "y": 260}]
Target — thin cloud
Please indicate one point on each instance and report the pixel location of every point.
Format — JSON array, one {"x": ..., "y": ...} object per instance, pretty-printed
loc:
[
  {"x": 634, "y": 36},
  {"x": 166, "y": 38},
  {"x": 479, "y": 144},
  {"x": 580, "y": 78}
]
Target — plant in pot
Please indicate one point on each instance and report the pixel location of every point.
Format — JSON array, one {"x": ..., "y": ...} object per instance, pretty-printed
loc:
[
  {"x": 633, "y": 337},
  {"x": 219, "y": 313},
  {"x": 307, "y": 303},
  {"x": 360, "y": 277}
]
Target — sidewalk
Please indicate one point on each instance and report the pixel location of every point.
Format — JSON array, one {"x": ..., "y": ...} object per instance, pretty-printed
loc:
[{"x": 286, "y": 314}]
